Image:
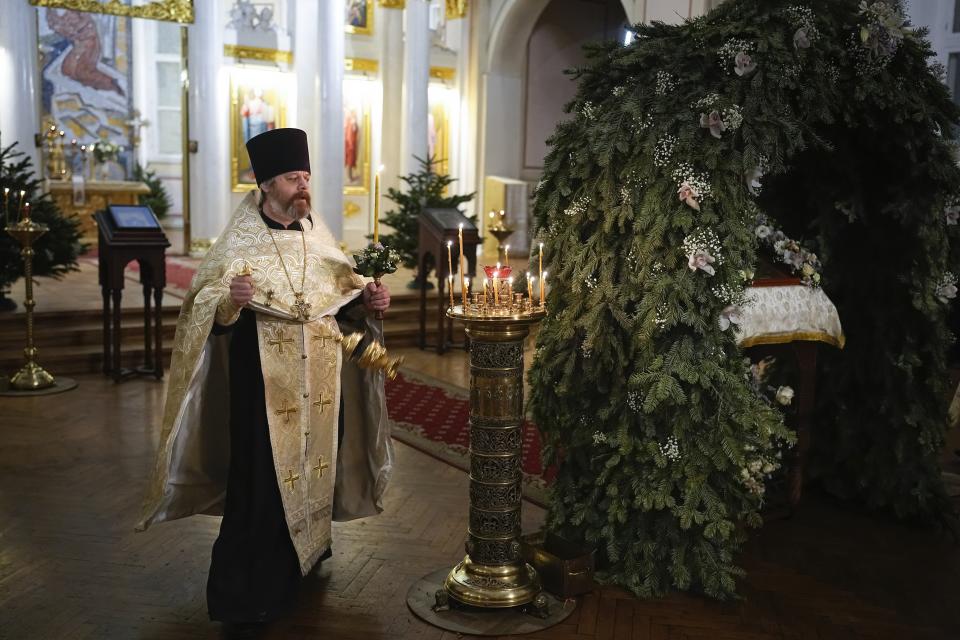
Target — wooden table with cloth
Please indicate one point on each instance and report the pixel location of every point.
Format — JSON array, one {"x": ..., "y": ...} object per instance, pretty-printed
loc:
[{"x": 795, "y": 319}]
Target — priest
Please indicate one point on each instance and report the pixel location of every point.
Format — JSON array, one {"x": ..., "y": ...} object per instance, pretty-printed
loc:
[{"x": 265, "y": 422}]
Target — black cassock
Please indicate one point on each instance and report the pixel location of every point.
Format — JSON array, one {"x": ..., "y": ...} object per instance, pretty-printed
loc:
[{"x": 254, "y": 569}]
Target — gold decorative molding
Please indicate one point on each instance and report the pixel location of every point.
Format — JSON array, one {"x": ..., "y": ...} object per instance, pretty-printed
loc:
[
  {"x": 443, "y": 73},
  {"x": 457, "y": 9},
  {"x": 350, "y": 209},
  {"x": 393, "y": 4},
  {"x": 365, "y": 65},
  {"x": 169, "y": 10},
  {"x": 258, "y": 53}
]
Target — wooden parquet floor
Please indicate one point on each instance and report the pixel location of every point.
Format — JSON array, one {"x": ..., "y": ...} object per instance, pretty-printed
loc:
[{"x": 73, "y": 469}]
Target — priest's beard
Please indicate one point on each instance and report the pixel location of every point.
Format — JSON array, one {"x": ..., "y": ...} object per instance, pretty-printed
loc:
[{"x": 294, "y": 208}]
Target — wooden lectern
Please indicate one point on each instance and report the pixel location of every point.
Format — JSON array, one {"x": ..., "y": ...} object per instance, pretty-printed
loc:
[
  {"x": 437, "y": 227},
  {"x": 126, "y": 233}
]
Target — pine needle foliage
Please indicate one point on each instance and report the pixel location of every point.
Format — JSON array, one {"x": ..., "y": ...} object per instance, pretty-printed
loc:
[
  {"x": 643, "y": 399},
  {"x": 56, "y": 252},
  {"x": 157, "y": 199},
  {"x": 424, "y": 189}
]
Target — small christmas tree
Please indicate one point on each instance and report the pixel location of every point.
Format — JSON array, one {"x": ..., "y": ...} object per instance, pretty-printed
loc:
[
  {"x": 424, "y": 189},
  {"x": 158, "y": 200},
  {"x": 57, "y": 250}
]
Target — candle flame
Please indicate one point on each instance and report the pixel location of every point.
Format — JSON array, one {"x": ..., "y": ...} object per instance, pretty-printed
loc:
[
  {"x": 449, "y": 243},
  {"x": 380, "y": 169},
  {"x": 461, "y": 226}
]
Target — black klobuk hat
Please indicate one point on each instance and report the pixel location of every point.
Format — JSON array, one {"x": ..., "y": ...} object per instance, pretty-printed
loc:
[{"x": 278, "y": 151}]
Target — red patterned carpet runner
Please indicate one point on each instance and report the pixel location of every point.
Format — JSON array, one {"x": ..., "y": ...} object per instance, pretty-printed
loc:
[
  {"x": 180, "y": 271},
  {"x": 433, "y": 416}
]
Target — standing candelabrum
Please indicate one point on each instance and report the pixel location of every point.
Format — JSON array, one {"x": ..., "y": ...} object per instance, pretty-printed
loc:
[
  {"x": 497, "y": 320},
  {"x": 493, "y": 575},
  {"x": 501, "y": 232},
  {"x": 30, "y": 377}
]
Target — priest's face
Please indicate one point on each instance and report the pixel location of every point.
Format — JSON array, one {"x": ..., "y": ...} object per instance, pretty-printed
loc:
[{"x": 289, "y": 194}]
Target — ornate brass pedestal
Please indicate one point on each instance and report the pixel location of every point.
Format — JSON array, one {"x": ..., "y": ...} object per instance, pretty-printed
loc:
[
  {"x": 31, "y": 377},
  {"x": 493, "y": 576}
]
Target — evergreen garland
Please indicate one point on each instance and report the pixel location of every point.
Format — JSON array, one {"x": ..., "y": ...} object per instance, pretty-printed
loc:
[
  {"x": 57, "y": 250},
  {"x": 425, "y": 189},
  {"x": 648, "y": 208},
  {"x": 158, "y": 199}
]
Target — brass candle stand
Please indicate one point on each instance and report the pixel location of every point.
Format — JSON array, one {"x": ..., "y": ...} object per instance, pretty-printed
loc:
[
  {"x": 493, "y": 575},
  {"x": 501, "y": 232},
  {"x": 492, "y": 591},
  {"x": 31, "y": 378}
]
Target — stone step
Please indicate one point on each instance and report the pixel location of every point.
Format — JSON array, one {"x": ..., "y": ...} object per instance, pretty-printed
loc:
[{"x": 71, "y": 343}]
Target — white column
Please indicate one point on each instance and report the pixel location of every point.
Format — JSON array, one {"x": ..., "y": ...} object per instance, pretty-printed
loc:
[
  {"x": 209, "y": 125},
  {"x": 416, "y": 76},
  {"x": 318, "y": 55},
  {"x": 19, "y": 99},
  {"x": 390, "y": 22}
]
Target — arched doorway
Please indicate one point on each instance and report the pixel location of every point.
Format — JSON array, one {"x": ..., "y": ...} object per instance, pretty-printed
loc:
[{"x": 531, "y": 43}]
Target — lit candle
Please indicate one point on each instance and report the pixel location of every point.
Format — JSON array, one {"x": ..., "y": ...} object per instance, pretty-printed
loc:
[
  {"x": 20, "y": 206},
  {"x": 543, "y": 281},
  {"x": 6, "y": 203},
  {"x": 541, "y": 274},
  {"x": 26, "y": 212},
  {"x": 450, "y": 282},
  {"x": 450, "y": 257},
  {"x": 463, "y": 290},
  {"x": 496, "y": 287},
  {"x": 530, "y": 280},
  {"x": 376, "y": 206},
  {"x": 506, "y": 255}
]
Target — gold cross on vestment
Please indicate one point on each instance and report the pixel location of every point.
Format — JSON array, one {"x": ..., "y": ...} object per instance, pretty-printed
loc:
[
  {"x": 321, "y": 465},
  {"x": 322, "y": 403},
  {"x": 290, "y": 479},
  {"x": 301, "y": 306},
  {"x": 278, "y": 340},
  {"x": 323, "y": 339},
  {"x": 285, "y": 412}
]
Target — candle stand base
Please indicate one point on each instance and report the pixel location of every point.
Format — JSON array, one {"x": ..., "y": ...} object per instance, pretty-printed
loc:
[
  {"x": 31, "y": 377},
  {"x": 60, "y": 385},
  {"x": 460, "y": 618}
]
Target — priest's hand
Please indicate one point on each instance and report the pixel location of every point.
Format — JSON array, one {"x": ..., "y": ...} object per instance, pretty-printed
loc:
[
  {"x": 241, "y": 290},
  {"x": 376, "y": 298}
]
